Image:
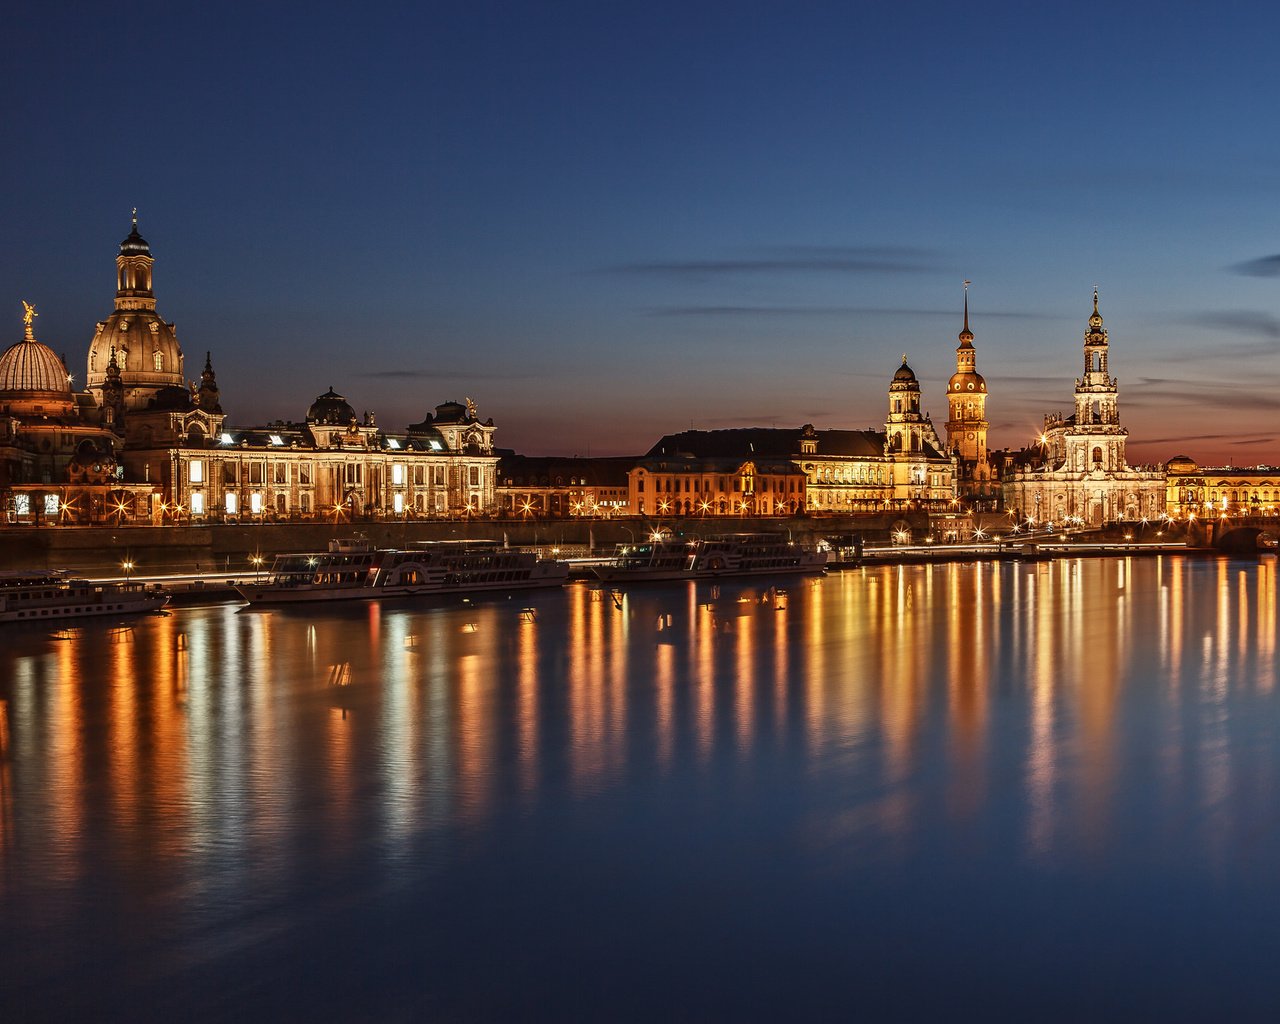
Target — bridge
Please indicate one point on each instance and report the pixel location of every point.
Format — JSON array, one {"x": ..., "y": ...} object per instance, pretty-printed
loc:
[{"x": 1235, "y": 534}]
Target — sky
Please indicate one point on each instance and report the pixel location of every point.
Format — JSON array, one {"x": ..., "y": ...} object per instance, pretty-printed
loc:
[{"x": 607, "y": 222}]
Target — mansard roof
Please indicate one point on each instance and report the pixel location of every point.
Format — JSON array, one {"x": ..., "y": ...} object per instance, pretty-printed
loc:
[{"x": 537, "y": 470}]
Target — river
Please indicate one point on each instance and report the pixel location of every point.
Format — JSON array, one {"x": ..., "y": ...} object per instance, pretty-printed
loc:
[{"x": 1047, "y": 791}]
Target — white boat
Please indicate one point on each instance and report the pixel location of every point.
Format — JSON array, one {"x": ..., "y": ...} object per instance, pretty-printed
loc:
[
  {"x": 43, "y": 597},
  {"x": 356, "y": 571},
  {"x": 732, "y": 554}
]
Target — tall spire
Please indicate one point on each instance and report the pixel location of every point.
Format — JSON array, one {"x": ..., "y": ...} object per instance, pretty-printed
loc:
[{"x": 966, "y": 335}]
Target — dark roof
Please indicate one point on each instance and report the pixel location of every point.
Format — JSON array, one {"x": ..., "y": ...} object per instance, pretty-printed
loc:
[
  {"x": 539, "y": 470},
  {"x": 331, "y": 408},
  {"x": 773, "y": 465},
  {"x": 769, "y": 442}
]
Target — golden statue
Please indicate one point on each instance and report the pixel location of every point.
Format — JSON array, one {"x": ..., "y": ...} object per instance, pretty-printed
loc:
[
  {"x": 471, "y": 409},
  {"x": 28, "y": 313}
]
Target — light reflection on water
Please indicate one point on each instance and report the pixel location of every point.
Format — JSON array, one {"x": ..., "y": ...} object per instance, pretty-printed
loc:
[{"x": 192, "y": 799}]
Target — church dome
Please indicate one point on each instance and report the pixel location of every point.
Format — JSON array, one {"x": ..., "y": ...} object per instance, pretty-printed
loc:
[
  {"x": 135, "y": 244},
  {"x": 28, "y": 365},
  {"x": 905, "y": 378},
  {"x": 1181, "y": 465},
  {"x": 147, "y": 351},
  {"x": 331, "y": 408},
  {"x": 968, "y": 381}
]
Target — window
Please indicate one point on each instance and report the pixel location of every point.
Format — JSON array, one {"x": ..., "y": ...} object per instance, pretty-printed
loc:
[
  {"x": 438, "y": 476},
  {"x": 275, "y": 439},
  {"x": 158, "y": 360},
  {"x": 196, "y": 475},
  {"x": 419, "y": 475},
  {"x": 398, "y": 503},
  {"x": 231, "y": 503},
  {"x": 304, "y": 502},
  {"x": 255, "y": 473},
  {"x": 51, "y": 504},
  {"x": 22, "y": 504},
  {"x": 225, "y": 438},
  {"x": 230, "y": 473},
  {"x": 280, "y": 473},
  {"x": 255, "y": 503},
  {"x": 475, "y": 476},
  {"x": 304, "y": 473},
  {"x": 397, "y": 474},
  {"x": 197, "y": 503}
]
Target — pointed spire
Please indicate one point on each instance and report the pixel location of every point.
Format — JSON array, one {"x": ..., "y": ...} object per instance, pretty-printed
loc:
[{"x": 966, "y": 335}]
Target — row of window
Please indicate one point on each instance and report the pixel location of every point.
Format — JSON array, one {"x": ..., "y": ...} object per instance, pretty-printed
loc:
[{"x": 352, "y": 473}]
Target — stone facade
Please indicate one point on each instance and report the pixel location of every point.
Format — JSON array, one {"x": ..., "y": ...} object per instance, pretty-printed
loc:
[{"x": 1083, "y": 478}]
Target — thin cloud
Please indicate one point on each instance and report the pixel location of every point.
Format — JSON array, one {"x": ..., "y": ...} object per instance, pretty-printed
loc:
[
  {"x": 1264, "y": 266},
  {"x": 793, "y": 259},
  {"x": 1239, "y": 321},
  {"x": 442, "y": 375},
  {"x": 950, "y": 314}
]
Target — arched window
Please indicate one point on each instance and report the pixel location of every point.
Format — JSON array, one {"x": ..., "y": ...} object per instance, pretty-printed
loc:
[
  {"x": 1097, "y": 456},
  {"x": 157, "y": 359}
]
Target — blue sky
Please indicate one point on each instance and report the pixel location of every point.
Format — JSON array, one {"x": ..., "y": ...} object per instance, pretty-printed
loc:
[{"x": 605, "y": 223}]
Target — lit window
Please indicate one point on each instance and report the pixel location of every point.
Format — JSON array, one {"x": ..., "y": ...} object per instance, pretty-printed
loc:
[
  {"x": 158, "y": 360},
  {"x": 197, "y": 503},
  {"x": 255, "y": 503},
  {"x": 232, "y": 504},
  {"x": 51, "y": 504},
  {"x": 398, "y": 502},
  {"x": 197, "y": 471},
  {"x": 275, "y": 439},
  {"x": 392, "y": 443},
  {"x": 435, "y": 445},
  {"x": 22, "y": 504},
  {"x": 397, "y": 475},
  {"x": 225, "y": 438}
]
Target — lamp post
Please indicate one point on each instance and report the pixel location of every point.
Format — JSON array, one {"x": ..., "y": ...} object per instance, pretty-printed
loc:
[{"x": 127, "y": 566}]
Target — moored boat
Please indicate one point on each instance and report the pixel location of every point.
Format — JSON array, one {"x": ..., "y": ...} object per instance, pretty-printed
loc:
[
  {"x": 356, "y": 571},
  {"x": 732, "y": 554},
  {"x": 42, "y": 597}
]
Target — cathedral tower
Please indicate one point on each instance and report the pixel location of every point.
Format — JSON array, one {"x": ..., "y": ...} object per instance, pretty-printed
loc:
[
  {"x": 147, "y": 352},
  {"x": 967, "y": 400}
]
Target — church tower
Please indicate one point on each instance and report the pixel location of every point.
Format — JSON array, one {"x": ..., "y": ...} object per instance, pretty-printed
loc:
[
  {"x": 147, "y": 352},
  {"x": 1096, "y": 440},
  {"x": 967, "y": 419},
  {"x": 904, "y": 430},
  {"x": 967, "y": 400}
]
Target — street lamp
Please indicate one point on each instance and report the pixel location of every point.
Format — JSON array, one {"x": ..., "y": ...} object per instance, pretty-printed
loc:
[
  {"x": 257, "y": 566},
  {"x": 127, "y": 566}
]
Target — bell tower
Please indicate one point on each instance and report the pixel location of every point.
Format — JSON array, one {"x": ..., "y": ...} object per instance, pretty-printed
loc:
[
  {"x": 967, "y": 400},
  {"x": 133, "y": 272}
]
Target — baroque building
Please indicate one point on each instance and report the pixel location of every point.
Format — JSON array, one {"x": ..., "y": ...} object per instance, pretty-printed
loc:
[
  {"x": 967, "y": 422},
  {"x": 1196, "y": 492},
  {"x": 737, "y": 471},
  {"x": 159, "y": 449},
  {"x": 1083, "y": 475}
]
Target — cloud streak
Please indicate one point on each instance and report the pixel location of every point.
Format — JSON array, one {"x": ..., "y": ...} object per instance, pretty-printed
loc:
[
  {"x": 803, "y": 259},
  {"x": 1264, "y": 266},
  {"x": 433, "y": 374},
  {"x": 787, "y": 311}
]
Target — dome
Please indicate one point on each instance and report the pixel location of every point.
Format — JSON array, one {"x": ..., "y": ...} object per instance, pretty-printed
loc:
[
  {"x": 28, "y": 365},
  {"x": 450, "y": 412},
  {"x": 331, "y": 408},
  {"x": 147, "y": 351},
  {"x": 135, "y": 244},
  {"x": 966, "y": 382},
  {"x": 1182, "y": 465},
  {"x": 905, "y": 377}
]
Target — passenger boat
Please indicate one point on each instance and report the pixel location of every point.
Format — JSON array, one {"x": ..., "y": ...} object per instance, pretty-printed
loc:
[
  {"x": 354, "y": 570},
  {"x": 42, "y": 597},
  {"x": 732, "y": 554}
]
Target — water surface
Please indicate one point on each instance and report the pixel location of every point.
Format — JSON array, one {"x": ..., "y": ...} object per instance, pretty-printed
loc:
[{"x": 1035, "y": 791}]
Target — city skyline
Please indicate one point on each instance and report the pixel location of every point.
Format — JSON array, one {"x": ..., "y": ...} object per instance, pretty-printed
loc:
[{"x": 635, "y": 223}]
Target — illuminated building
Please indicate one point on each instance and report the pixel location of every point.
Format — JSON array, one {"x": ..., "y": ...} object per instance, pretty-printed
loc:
[
  {"x": 59, "y": 461},
  {"x": 967, "y": 422},
  {"x": 1083, "y": 475},
  {"x": 548, "y": 486},
  {"x": 165, "y": 450},
  {"x": 1194, "y": 490},
  {"x": 839, "y": 471}
]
